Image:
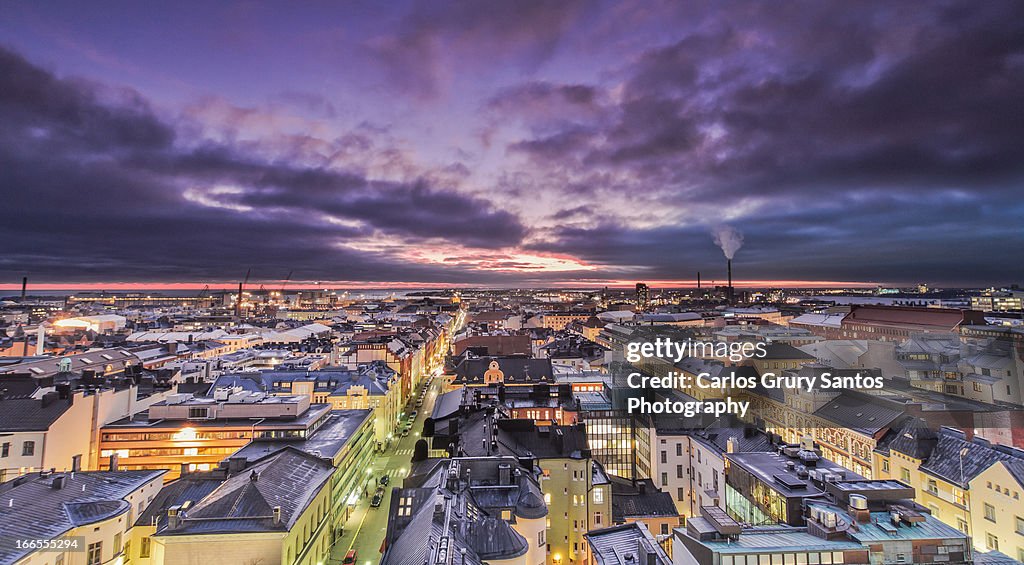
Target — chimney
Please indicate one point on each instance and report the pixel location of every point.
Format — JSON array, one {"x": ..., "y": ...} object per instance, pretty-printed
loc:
[
  {"x": 647, "y": 555},
  {"x": 58, "y": 482},
  {"x": 504, "y": 474},
  {"x": 277, "y": 515},
  {"x": 173, "y": 517},
  {"x": 40, "y": 339},
  {"x": 183, "y": 469},
  {"x": 236, "y": 465},
  {"x": 732, "y": 445},
  {"x": 24, "y": 287},
  {"x": 254, "y": 476},
  {"x": 453, "y": 477},
  {"x": 729, "y": 263},
  {"x": 113, "y": 461},
  {"x": 48, "y": 398}
]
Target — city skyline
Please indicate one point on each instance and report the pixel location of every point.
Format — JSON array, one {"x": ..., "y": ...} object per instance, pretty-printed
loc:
[{"x": 531, "y": 144}]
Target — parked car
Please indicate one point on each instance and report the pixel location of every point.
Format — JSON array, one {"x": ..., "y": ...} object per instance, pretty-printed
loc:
[
  {"x": 350, "y": 558},
  {"x": 377, "y": 498},
  {"x": 384, "y": 480}
]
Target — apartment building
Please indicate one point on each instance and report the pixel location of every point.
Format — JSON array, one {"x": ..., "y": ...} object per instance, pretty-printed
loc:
[
  {"x": 90, "y": 515},
  {"x": 951, "y": 473},
  {"x": 689, "y": 464},
  {"x": 187, "y": 433},
  {"x": 277, "y": 510},
  {"x": 576, "y": 488},
  {"x": 480, "y": 509}
]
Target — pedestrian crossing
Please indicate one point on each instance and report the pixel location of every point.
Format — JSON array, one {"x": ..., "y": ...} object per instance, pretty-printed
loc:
[
  {"x": 407, "y": 451},
  {"x": 392, "y": 472}
]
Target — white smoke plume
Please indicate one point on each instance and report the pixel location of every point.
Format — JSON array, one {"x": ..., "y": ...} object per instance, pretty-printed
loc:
[{"x": 729, "y": 239}]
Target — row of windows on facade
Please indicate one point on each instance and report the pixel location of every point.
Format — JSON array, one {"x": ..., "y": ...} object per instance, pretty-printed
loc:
[
  {"x": 680, "y": 472},
  {"x": 28, "y": 449}
]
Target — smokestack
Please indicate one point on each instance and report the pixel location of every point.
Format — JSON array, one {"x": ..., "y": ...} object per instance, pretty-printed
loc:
[
  {"x": 729, "y": 263},
  {"x": 24, "y": 287},
  {"x": 729, "y": 240},
  {"x": 238, "y": 302},
  {"x": 698, "y": 280}
]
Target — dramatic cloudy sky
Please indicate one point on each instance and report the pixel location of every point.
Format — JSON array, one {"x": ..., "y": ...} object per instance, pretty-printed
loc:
[{"x": 525, "y": 142}]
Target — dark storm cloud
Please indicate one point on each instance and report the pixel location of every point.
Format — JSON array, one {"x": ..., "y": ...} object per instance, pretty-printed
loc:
[
  {"x": 34, "y": 103},
  {"x": 895, "y": 127},
  {"x": 867, "y": 141},
  {"x": 95, "y": 188},
  {"x": 857, "y": 241}
]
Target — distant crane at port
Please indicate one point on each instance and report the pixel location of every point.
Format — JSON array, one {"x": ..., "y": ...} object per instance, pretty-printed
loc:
[{"x": 285, "y": 283}]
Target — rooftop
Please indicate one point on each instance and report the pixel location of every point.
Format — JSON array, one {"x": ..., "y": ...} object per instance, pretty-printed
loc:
[
  {"x": 773, "y": 470},
  {"x": 246, "y": 502},
  {"x": 35, "y": 508},
  {"x": 327, "y": 441},
  {"x": 626, "y": 544}
]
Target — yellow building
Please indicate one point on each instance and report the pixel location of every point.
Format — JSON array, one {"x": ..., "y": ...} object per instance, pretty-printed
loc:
[
  {"x": 579, "y": 499},
  {"x": 999, "y": 525},
  {"x": 346, "y": 440},
  {"x": 372, "y": 386},
  {"x": 277, "y": 511},
  {"x": 952, "y": 476},
  {"x": 559, "y": 320},
  {"x": 86, "y": 517}
]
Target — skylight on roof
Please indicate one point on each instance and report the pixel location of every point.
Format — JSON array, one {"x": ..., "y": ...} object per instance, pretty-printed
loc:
[{"x": 86, "y": 360}]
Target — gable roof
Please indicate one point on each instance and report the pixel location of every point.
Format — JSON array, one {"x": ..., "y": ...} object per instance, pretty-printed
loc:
[
  {"x": 288, "y": 479},
  {"x": 34, "y": 509}
]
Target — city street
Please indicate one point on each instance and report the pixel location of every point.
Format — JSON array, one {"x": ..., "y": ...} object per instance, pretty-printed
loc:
[{"x": 366, "y": 527}]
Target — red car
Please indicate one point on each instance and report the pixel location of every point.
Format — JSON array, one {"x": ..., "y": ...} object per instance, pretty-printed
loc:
[{"x": 350, "y": 558}]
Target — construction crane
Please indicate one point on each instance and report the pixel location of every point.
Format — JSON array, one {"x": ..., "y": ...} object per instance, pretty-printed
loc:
[
  {"x": 238, "y": 300},
  {"x": 202, "y": 294}
]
